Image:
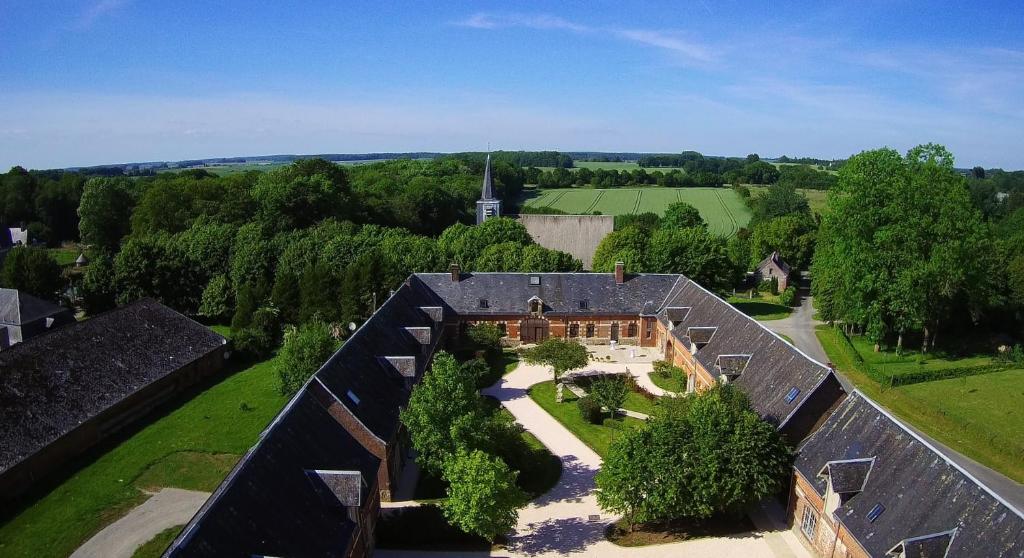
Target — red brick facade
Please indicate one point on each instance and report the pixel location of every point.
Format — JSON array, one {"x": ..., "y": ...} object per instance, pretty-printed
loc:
[
  {"x": 817, "y": 530},
  {"x": 596, "y": 329}
]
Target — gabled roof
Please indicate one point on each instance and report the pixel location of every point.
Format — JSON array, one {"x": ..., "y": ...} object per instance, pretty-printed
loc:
[
  {"x": 775, "y": 367},
  {"x": 935, "y": 545},
  {"x": 847, "y": 475},
  {"x": 17, "y": 308},
  {"x": 920, "y": 492},
  {"x": 54, "y": 382},
  {"x": 509, "y": 293},
  {"x": 270, "y": 504},
  {"x": 774, "y": 258}
]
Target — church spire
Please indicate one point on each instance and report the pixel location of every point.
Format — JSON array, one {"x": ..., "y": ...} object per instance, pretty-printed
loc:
[{"x": 488, "y": 189}]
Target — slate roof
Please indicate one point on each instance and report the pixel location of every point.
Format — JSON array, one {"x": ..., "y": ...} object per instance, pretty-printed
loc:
[
  {"x": 922, "y": 492},
  {"x": 17, "y": 308},
  {"x": 508, "y": 293},
  {"x": 777, "y": 260},
  {"x": 775, "y": 367},
  {"x": 356, "y": 368},
  {"x": 849, "y": 475},
  {"x": 53, "y": 382},
  {"x": 273, "y": 502}
]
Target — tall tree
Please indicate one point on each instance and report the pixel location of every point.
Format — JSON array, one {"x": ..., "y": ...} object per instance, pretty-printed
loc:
[
  {"x": 682, "y": 215},
  {"x": 482, "y": 494},
  {"x": 306, "y": 348},
  {"x": 105, "y": 212},
  {"x": 33, "y": 271},
  {"x": 562, "y": 355}
]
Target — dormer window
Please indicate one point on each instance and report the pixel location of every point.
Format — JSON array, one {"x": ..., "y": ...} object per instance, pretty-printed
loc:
[
  {"x": 700, "y": 336},
  {"x": 731, "y": 366},
  {"x": 535, "y": 280},
  {"x": 935, "y": 544},
  {"x": 536, "y": 306},
  {"x": 484, "y": 304},
  {"x": 584, "y": 304}
]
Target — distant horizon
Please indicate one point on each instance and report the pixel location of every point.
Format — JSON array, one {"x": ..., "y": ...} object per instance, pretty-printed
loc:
[{"x": 88, "y": 82}]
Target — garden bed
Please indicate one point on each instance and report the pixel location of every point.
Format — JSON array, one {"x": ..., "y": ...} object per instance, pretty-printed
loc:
[{"x": 662, "y": 532}]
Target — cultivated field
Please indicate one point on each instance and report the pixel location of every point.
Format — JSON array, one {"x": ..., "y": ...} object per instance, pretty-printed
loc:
[
  {"x": 619, "y": 166},
  {"x": 722, "y": 208}
]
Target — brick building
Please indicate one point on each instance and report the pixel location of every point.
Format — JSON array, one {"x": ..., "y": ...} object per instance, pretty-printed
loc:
[
  {"x": 773, "y": 267},
  {"x": 65, "y": 390},
  {"x": 866, "y": 485}
]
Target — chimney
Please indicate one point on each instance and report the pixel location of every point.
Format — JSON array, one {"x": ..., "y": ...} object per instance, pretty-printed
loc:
[
  {"x": 620, "y": 273},
  {"x": 456, "y": 274}
]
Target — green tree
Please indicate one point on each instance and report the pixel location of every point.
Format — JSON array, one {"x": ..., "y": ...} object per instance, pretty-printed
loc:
[
  {"x": 32, "y": 270},
  {"x": 628, "y": 245},
  {"x": 793, "y": 236},
  {"x": 609, "y": 392},
  {"x": 562, "y": 355},
  {"x": 776, "y": 201},
  {"x": 217, "y": 299},
  {"x": 442, "y": 410},
  {"x": 693, "y": 252},
  {"x": 105, "y": 212},
  {"x": 483, "y": 497},
  {"x": 626, "y": 478},
  {"x": 302, "y": 194},
  {"x": 682, "y": 215},
  {"x": 486, "y": 335},
  {"x": 98, "y": 291},
  {"x": 306, "y": 348}
]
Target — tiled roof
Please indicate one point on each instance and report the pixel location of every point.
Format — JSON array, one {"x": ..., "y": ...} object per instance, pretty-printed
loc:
[
  {"x": 273, "y": 502},
  {"x": 508, "y": 293},
  {"x": 919, "y": 491},
  {"x": 53, "y": 382}
]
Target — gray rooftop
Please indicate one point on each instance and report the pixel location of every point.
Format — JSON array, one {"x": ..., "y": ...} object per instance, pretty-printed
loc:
[
  {"x": 17, "y": 307},
  {"x": 921, "y": 493}
]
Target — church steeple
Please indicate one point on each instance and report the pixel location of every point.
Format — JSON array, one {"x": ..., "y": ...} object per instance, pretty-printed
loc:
[
  {"x": 488, "y": 189},
  {"x": 488, "y": 206}
]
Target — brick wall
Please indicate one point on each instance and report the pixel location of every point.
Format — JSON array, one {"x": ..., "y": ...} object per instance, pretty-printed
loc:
[{"x": 829, "y": 538}]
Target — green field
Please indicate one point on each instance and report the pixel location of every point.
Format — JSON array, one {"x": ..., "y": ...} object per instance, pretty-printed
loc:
[
  {"x": 978, "y": 416},
  {"x": 722, "y": 208},
  {"x": 190, "y": 443}
]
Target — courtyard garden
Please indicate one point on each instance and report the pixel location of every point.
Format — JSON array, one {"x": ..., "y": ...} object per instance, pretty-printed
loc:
[
  {"x": 597, "y": 436},
  {"x": 974, "y": 413}
]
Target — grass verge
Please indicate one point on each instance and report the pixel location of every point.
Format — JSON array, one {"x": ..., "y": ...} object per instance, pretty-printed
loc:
[
  {"x": 977, "y": 416},
  {"x": 761, "y": 309},
  {"x": 186, "y": 443},
  {"x": 598, "y": 436},
  {"x": 158, "y": 544},
  {"x": 674, "y": 383}
]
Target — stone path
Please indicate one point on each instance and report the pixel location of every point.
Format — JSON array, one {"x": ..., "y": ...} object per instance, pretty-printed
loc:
[
  {"x": 568, "y": 521},
  {"x": 165, "y": 509}
]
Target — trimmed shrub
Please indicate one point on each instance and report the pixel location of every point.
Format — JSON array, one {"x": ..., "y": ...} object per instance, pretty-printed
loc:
[
  {"x": 590, "y": 410},
  {"x": 788, "y": 297},
  {"x": 775, "y": 285}
]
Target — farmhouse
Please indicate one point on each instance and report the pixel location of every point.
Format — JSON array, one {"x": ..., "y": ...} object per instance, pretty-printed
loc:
[
  {"x": 23, "y": 316},
  {"x": 65, "y": 390},
  {"x": 865, "y": 485},
  {"x": 363, "y": 387},
  {"x": 773, "y": 267}
]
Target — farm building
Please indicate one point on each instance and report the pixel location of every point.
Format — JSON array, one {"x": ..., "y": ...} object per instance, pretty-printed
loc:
[
  {"x": 23, "y": 316},
  {"x": 866, "y": 485},
  {"x": 65, "y": 390},
  {"x": 578, "y": 235}
]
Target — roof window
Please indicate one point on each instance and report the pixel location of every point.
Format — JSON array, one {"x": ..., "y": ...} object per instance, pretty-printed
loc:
[
  {"x": 353, "y": 397},
  {"x": 484, "y": 304},
  {"x": 584, "y": 304},
  {"x": 875, "y": 512},
  {"x": 793, "y": 392},
  {"x": 535, "y": 280}
]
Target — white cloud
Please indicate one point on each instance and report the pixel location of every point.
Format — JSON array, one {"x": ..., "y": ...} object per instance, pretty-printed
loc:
[
  {"x": 665, "y": 41},
  {"x": 97, "y": 10}
]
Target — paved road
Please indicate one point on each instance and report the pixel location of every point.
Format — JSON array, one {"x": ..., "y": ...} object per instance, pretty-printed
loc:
[
  {"x": 799, "y": 327},
  {"x": 165, "y": 509}
]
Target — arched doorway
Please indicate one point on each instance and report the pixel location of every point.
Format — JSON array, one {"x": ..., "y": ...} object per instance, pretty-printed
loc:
[{"x": 533, "y": 330}]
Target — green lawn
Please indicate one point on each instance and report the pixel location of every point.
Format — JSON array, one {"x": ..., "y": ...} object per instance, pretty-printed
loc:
[
  {"x": 978, "y": 416},
  {"x": 888, "y": 363},
  {"x": 64, "y": 256},
  {"x": 598, "y": 437},
  {"x": 191, "y": 443},
  {"x": 158, "y": 544},
  {"x": 761, "y": 309},
  {"x": 674, "y": 383},
  {"x": 722, "y": 208}
]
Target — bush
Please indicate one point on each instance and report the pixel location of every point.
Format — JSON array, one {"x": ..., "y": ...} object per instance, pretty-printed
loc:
[
  {"x": 774, "y": 285},
  {"x": 485, "y": 335},
  {"x": 305, "y": 350},
  {"x": 788, "y": 297},
  {"x": 590, "y": 409},
  {"x": 665, "y": 369}
]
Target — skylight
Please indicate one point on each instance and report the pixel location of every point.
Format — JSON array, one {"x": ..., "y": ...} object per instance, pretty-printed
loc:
[
  {"x": 793, "y": 392},
  {"x": 353, "y": 397},
  {"x": 875, "y": 512},
  {"x": 535, "y": 280}
]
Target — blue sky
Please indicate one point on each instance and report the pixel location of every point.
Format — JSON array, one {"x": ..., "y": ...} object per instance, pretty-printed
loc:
[{"x": 105, "y": 81}]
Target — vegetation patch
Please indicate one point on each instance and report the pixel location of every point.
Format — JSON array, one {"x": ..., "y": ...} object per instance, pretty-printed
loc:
[
  {"x": 225, "y": 415},
  {"x": 662, "y": 532},
  {"x": 598, "y": 436},
  {"x": 191, "y": 470},
  {"x": 761, "y": 310},
  {"x": 975, "y": 415},
  {"x": 158, "y": 544},
  {"x": 424, "y": 528}
]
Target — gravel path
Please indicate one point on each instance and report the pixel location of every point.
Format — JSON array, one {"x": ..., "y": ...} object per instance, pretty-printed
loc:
[{"x": 165, "y": 509}]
